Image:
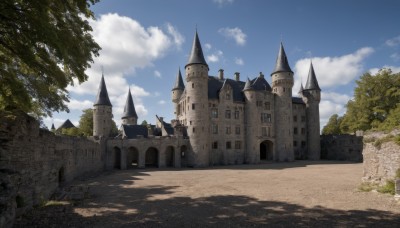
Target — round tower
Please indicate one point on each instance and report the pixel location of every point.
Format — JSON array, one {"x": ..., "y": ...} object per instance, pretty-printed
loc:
[
  {"x": 252, "y": 125},
  {"x": 311, "y": 96},
  {"x": 177, "y": 92},
  {"x": 102, "y": 112},
  {"x": 196, "y": 74},
  {"x": 282, "y": 83}
]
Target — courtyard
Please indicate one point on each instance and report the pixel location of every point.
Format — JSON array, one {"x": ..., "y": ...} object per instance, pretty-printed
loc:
[{"x": 301, "y": 194}]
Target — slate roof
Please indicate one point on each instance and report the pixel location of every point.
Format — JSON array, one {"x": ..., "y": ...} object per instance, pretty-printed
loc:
[
  {"x": 301, "y": 88},
  {"x": 297, "y": 100},
  {"x": 196, "y": 55},
  {"x": 132, "y": 131},
  {"x": 260, "y": 83},
  {"x": 215, "y": 84},
  {"x": 179, "y": 82},
  {"x": 282, "y": 64},
  {"x": 129, "y": 109},
  {"x": 247, "y": 86},
  {"x": 312, "y": 83},
  {"x": 67, "y": 124},
  {"x": 102, "y": 95}
]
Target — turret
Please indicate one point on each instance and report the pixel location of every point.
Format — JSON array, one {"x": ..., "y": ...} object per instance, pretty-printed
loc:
[
  {"x": 129, "y": 116},
  {"x": 102, "y": 111},
  {"x": 177, "y": 91},
  {"x": 282, "y": 83},
  {"x": 311, "y": 96},
  {"x": 196, "y": 71}
]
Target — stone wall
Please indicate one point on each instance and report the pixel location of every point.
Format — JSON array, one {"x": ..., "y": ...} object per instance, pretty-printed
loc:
[
  {"x": 381, "y": 156},
  {"x": 342, "y": 147},
  {"x": 40, "y": 160}
]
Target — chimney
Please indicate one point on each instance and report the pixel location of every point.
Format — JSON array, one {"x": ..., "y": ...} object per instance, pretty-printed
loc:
[
  {"x": 237, "y": 76},
  {"x": 221, "y": 74},
  {"x": 261, "y": 75}
]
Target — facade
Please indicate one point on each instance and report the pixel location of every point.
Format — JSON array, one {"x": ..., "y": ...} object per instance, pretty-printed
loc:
[{"x": 222, "y": 121}]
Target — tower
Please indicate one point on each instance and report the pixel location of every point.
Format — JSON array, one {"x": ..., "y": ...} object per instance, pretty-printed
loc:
[
  {"x": 102, "y": 112},
  {"x": 282, "y": 83},
  {"x": 129, "y": 116},
  {"x": 196, "y": 71},
  {"x": 177, "y": 92},
  {"x": 311, "y": 96},
  {"x": 251, "y": 117}
]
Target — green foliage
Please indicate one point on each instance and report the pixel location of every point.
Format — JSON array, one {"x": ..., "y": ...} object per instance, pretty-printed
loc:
[
  {"x": 114, "y": 129},
  {"x": 45, "y": 45},
  {"x": 366, "y": 187},
  {"x": 86, "y": 122},
  {"x": 397, "y": 173},
  {"x": 73, "y": 131},
  {"x": 389, "y": 187},
  {"x": 333, "y": 125},
  {"x": 144, "y": 123}
]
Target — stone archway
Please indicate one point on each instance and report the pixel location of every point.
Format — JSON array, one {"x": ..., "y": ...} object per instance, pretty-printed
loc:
[
  {"x": 170, "y": 156},
  {"x": 117, "y": 158},
  {"x": 184, "y": 155},
  {"x": 151, "y": 159},
  {"x": 132, "y": 158},
  {"x": 266, "y": 151}
]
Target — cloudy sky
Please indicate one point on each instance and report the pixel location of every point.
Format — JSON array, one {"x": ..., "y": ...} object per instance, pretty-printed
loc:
[{"x": 145, "y": 42}]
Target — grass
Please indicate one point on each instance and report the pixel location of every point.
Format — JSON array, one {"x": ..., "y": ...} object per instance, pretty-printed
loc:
[
  {"x": 366, "y": 187},
  {"x": 389, "y": 187}
]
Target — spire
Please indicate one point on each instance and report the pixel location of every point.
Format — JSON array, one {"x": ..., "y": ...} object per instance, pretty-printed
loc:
[
  {"x": 129, "y": 109},
  {"x": 312, "y": 83},
  {"x": 179, "y": 82},
  {"x": 102, "y": 95},
  {"x": 52, "y": 126},
  {"x": 282, "y": 64},
  {"x": 301, "y": 88},
  {"x": 247, "y": 86},
  {"x": 196, "y": 55}
]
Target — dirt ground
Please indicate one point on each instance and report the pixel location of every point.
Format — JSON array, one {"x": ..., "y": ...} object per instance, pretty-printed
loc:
[{"x": 297, "y": 194}]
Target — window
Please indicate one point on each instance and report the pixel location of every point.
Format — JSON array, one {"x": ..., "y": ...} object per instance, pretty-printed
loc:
[
  {"x": 294, "y": 118},
  {"x": 236, "y": 114},
  {"x": 228, "y": 145},
  {"x": 303, "y": 144},
  {"x": 238, "y": 144},
  {"x": 295, "y": 143},
  {"x": 193, "y": 130},
  {"x": 214, "y": 113},
  {"x": 295, "y": 131},
  {"x": 228, "y": 130},
  {"x": 228, "y": 114},
  {"x": 267, "y": 106},
  {"x": 214, "y": 145},
  {"x": 303, "y": 131},
  {"x": 193, "y": 106},
  {"x": 214, "y": 129},
  {"x": 264, "y": 131},
  {"x": 192, "y": 85},
  {"x": 259, "y": 103},
  {"x": 265, "y": 118},
  {"x": 303, "y": 119},
  {"x": 237, "y": 130}
]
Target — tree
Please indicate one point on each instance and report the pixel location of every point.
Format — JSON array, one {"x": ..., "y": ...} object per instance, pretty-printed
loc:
[
  {"x": 44, "y": 46},
  {"x": 144, "y": 123},
  {"x": 333, "y": 125},
  {"x": 86, "y": 122},
  {"x": 73, "y": 131}
]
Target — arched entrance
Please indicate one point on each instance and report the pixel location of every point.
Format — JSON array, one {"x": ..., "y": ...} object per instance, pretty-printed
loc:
[
  {"x": 266, "y": 153},
  {"x": 170, "y": 156},
  {"x": 117, "y": 158},
  {"x": 184, "y": 156},
  {"x": 151, "y": 157},
  {"x": 132, "y": 158}
]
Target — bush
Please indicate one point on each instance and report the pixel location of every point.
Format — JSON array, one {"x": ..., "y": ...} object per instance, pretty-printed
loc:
[{"x": 389, "y": 187}]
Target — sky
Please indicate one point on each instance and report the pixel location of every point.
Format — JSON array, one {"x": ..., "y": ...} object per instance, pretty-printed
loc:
[{"x": 145, "y": 42}]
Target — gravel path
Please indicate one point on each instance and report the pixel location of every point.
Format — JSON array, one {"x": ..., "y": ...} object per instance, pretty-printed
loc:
[{"x": 301, "y": 194}]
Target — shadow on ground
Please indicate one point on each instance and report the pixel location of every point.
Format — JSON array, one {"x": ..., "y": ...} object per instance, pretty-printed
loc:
[{"x": 124, "y": 206}]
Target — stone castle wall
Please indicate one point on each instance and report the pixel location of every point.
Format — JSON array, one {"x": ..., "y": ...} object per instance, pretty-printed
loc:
[
  {"x": 40, "y": 160},
  {"x": 342, "y": 147},
  {"x": 381, "y": 156}
]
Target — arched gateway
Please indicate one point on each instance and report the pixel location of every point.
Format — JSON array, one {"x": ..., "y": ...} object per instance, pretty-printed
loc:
[{"x": 266, "y": 151}]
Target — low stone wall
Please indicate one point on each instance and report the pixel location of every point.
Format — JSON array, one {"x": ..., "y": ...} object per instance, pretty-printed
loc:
[
  {"x": 381, "y": 156},
  {"x": 342, "y": 147},
  {"x": 40, "y": 160}
]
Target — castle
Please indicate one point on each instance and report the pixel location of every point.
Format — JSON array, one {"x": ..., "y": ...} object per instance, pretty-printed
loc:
[{"x": 218, "y": 120}]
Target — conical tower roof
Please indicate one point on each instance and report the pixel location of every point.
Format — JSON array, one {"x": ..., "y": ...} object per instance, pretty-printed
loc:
[
  {"x": 102, "y": 95},
  {"x": 312, "y": 83},
  {"x": 196, "y": 55},
  {"x": 52, "y": 126},
  {"x": 179, "y": 82},
  {"x": 247, "y": 86},
  {"x": 282, "y": 64},
  {"x": 301, "y": 88},
  {"x": 129, "y": 109}
]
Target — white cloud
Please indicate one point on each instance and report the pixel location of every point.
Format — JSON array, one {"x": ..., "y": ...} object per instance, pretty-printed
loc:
[
  {"x": 393, "y": 42},
  {"x": 223, "y": 2},
  {"x": 157, "y": 74},
  {"x": 332, "y": 103},
  {"x": 215, "y": 57},
  {"x": 234, "y": 33},
  {"x": 161, "y": 102},
  {"x": 395, "y": 57},
  {"x": 239, "y": 61},
  {"x": 178, "y": 38},
  {"x": 394, "y": 69},
  {"x": 332, "y": 71},
  {"x": 79, "y": 105},
  {"x": 207, "y": 46}
]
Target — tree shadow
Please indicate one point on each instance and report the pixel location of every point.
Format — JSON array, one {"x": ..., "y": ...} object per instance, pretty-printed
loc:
[{"x": 116, "y": 204}]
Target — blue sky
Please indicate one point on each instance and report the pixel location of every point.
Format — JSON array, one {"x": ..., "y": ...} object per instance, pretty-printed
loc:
[{"x": 144, "y": 42}]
